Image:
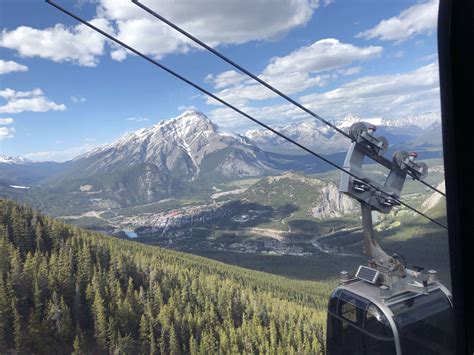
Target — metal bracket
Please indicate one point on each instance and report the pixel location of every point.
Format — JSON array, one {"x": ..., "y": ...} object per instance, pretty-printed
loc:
[
  {"x": 366, "y": 144},
  {"x": 406, "y": 162}
]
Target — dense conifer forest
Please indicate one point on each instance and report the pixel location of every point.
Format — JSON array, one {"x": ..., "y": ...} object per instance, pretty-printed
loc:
[{"x": 66, "y": 290}]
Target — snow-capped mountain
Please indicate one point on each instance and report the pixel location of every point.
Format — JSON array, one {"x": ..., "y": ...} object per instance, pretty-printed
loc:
[
  {"x": 424, "y": 121},
  {"x": 21, "y": 171},
  {"x": 170, "y": 159},
  {"x": 178, "y": 146},
  {"x": 322, "y": 138},
  {"x": 312, "y": 134},
  {"x": 4, "y": 159},
  {"x": 182, "y": 156}
]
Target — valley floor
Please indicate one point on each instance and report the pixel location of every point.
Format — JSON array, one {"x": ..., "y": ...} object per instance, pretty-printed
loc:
[{"x": 291, "y": 224}]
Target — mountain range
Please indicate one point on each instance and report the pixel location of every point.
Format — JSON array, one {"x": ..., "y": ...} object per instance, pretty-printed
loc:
[
  {"x": 177, "y": 147},
  {"x": 316, "y": 135},
  {"x": 182, "y": 156},
  {"x": 170, "y": 159},
  {"x": 22, "y": 171}
]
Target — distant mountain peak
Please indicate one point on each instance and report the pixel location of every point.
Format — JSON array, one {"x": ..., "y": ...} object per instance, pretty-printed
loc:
[
  {"x": 191, "y": 116},
  {"x": 350, "y": 119},
  {"x": 177, "y": 147},
  {"x": 5, "y": 159},
  {"x": 187, "y": 120},
  {"x": 423, "y": 121},
  {"x": 324, "y": 139}
]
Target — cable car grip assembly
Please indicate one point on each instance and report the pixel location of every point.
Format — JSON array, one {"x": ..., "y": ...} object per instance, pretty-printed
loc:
[{"x": 383, "y": 269}]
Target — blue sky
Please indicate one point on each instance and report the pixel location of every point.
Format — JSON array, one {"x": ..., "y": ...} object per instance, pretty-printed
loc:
[{"x": 63, "y": 89}]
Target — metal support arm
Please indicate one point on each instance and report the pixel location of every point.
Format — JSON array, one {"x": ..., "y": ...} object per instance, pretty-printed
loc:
[{"x": 388, "y": 265}]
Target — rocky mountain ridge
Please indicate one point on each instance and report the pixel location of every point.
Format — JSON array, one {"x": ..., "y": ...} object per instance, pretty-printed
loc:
[
  {"x": 319, "y": 199},
  {"x": 316, "y": 135},
  {"x": 179, "y": 147},
  {"x": 178, "y": 157}
]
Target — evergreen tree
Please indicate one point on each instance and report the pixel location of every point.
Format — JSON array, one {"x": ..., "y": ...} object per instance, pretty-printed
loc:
[
  {"x": 5, "y": 325},
  {"x": 193, "y": 346},
  {"x": 144, "y": 335},
  {"x": 19, "y": 334},
  {"x": 127, "y": 298},
  {"x": 65, "y": 328},
  {"x": 174, "y": 342},
  {"x": 208, "y": 343},
  {"x": 100, "y": 321},
  {"x": 153, "y": 344},
  {"x": 76, "y": 346},
  {"x": 36, "y": 335}
]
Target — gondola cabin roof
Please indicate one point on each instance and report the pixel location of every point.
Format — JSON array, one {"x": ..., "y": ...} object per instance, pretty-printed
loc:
[{"x": 373, "y": 293}]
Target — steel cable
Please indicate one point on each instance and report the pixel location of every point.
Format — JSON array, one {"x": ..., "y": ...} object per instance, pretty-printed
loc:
[
  {"x": 256, "y": 78},
  {"x": 196, "y": 86}
]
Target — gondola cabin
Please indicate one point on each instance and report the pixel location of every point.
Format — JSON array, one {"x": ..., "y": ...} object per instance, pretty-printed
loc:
[
  {"x": 385, "y": 308},
  {"x": 364, "y": 318}
]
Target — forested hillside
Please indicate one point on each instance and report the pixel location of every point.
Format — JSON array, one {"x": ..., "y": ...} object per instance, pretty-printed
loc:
[{"x": 63, "y": 290}]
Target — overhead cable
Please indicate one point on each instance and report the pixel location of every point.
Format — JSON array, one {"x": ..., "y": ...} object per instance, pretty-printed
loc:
[
  {"x": 256, "y": 78},
  {"x": 196, "y": 86}
]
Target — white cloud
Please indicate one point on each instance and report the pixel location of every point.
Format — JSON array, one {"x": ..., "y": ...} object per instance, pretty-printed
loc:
[
  {"x": 6, "y": 132},
  {"x": 350, "y": 71},
  {"x": 274, "y": 115},
  {"x": 79, "y": 45},
  {"x": 388, "y": 96},
  {"x": 11, "y": 66},
  {"x": 78, "y": 99},
  {"x": 214, "y": 22},
  {"x": 137, "y": 119},
  {"x": 384, "y": 95},
  {"x": 399, "y": 54},
  {"x": 415, "y": 20},
  {"x": 429, "y": 58},
  {"x": 59, "y": 155},
  {"x": 80, "y": 3},
  {"x": 6, "y": 121},
  {"x": 250, "y": 91},
  {"x": 187, "y": 108},
  {"x": 224, "y": 79},
  {"x": 34, "y": 101},
  {"x": 34, "y": 104},
  {"x": 10, "y": 94},
  {"x": 293, "y": 73},
  {"x": 325, "y": 54},
  {"x": 149, "y": 37}
]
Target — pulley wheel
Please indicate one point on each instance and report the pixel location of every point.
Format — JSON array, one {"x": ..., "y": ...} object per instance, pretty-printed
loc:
[
  {"x": 399, "y": 157},
  {"x": 357, "y": 129}
]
